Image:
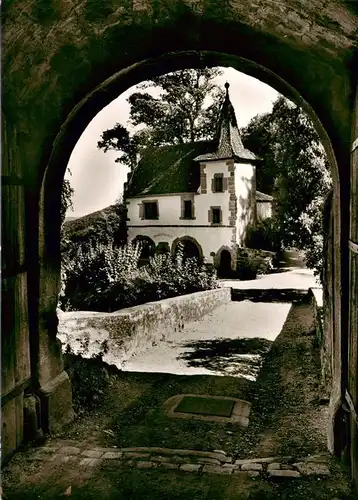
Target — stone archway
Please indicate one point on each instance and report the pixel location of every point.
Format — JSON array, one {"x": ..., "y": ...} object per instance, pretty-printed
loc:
[
  {"x": 154, "y": 65},
  {"x": 147, "y": 248},
  {"x": 73, "y": 74},
  {"x": 225, "y": 266},
  {"x": 191, "y": 248},
  {"x": 220, "y": 259}
]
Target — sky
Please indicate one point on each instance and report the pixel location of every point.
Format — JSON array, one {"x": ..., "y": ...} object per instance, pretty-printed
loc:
[{"x": 98, "y": 181}]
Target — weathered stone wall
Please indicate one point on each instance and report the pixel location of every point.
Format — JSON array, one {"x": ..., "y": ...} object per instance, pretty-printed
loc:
[
  {"x": 64, "y": 60},
  {"x": 352, "y": 382},
  {"x": 327, "y": 344},
  {"x": 316, "y": 299},
  {"x": 130, "y": 331}
]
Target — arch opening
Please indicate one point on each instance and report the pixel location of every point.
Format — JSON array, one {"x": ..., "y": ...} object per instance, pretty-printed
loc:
[
  {"x": 87, "y": 109},
  {"x": 190, "y": 248},
  {"x": 147, "y": 248},
  {"x": 225, "y": 265}
]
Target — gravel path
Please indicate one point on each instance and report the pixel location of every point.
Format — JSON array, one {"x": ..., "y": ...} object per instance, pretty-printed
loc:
[{"x": 214, "y": 345}]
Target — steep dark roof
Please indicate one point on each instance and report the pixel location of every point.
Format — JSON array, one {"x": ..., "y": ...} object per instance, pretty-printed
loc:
[
  {"x": 228, "y": 143},
  {"x": 168, "y": 169},
  {"x": 263, "y": 196}
]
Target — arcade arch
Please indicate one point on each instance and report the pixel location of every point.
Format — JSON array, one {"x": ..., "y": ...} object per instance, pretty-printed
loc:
[
  {"x": 147, "y": 248},
  {"x": 191, "y": 248}
]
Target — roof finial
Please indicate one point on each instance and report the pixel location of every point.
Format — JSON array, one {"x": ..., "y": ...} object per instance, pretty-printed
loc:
[{"x": 227, "y": 85}]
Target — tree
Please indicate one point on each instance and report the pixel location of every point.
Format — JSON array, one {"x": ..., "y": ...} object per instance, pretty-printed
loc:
[
  {"x": 66, "y": 198},
  {"x": 294, "y": 168},
  {"x": 183, "y": 112}
]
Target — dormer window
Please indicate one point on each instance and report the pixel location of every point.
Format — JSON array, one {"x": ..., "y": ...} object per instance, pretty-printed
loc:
[{"x": 218, "y": 183}]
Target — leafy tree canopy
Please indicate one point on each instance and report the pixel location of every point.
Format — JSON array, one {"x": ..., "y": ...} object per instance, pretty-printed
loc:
[
  {"x": 185, "y": 110},
  {"x": 294, "y": 168}
]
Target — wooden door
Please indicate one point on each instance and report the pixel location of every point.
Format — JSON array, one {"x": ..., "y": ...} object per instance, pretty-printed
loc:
[{"x": 351, "y": 395}]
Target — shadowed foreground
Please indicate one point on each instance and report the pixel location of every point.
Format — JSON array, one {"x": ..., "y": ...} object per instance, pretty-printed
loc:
[{"x": 286, "y": 419}]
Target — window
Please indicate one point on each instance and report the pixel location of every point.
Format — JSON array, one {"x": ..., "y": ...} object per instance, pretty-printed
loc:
[
  {"x": 216, "y": 215},
  {"x": 151, "y": 210},
  {"x": 218, "y": 184},
  {"x": 188, "y": 209}
]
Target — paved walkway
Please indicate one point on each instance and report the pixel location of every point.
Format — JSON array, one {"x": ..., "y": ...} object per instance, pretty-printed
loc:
[
  {"x": 212, "y": 345},
  {"x": 297, "y": 278},
  {"x": 219, "y": 344}
]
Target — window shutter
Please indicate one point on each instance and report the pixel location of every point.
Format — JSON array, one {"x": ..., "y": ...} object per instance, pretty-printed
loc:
[
  {"x": 213, "y": 185},
  {"x": 225, "y": 184},
  {"x": 157, "y": 209},
  {"x": 220, "y": 216},
  {"x": 141, "y": 210},
  {"x": 210, "y": 216}
]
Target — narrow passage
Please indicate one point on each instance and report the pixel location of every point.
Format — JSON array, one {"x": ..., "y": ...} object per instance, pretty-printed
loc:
[{"x": 228, "y": 341}]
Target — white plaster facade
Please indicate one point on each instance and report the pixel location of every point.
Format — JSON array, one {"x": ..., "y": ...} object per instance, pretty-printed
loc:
[
  {"x": 263, "y": 209},
  {"x": 237, "y": 201},
  {"x": 218, "y": 177},
  {"x": 245, "y": 182}
]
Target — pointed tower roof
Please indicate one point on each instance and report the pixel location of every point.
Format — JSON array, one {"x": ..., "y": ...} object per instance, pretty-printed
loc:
[{"x": 227, "y": 143}]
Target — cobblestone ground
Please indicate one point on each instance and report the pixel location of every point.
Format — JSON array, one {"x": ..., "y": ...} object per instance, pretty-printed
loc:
[
  {"x": 216, "y": 462},
  {"x": 67, "y": 468}
]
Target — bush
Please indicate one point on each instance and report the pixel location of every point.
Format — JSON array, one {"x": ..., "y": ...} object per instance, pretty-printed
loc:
[
  {"x": 264, "y": 235},
  {"x": 89, "y": 380},
  {"x": 247, "y": 269},
  {"x": 89, "y": 271},
  {"x": 105, "y": 278},
  {"x": 251, "y": 262}
]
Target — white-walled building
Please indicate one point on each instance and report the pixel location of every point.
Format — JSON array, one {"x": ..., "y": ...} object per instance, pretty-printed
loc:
[
  {"x": 202, "y": 194},
  {"x": 263, "y": 206}
]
